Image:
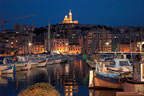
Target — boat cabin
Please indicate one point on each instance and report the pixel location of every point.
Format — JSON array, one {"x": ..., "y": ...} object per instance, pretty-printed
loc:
[{"x": 120, "y": 63}]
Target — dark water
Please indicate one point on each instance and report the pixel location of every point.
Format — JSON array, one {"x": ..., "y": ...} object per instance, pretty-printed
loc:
[{"x": 70, "y": 79}]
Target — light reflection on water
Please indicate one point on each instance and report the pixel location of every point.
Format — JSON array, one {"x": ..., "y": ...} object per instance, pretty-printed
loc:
[
  {"x": 102, "y": 92},
  {"x": 70, "y": 79}
]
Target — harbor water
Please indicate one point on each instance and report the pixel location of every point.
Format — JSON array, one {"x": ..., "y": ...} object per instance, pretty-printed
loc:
[{"x": 69, "y": 79}]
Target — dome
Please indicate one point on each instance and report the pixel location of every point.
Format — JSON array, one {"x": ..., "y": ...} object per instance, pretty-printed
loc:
[{"x": 66, "y": 16}]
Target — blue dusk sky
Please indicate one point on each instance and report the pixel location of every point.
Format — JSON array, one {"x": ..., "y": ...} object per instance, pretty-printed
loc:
[{"x": 103, "y": 12}]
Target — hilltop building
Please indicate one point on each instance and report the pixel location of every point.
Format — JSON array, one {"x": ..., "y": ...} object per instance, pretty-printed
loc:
[{"x": 68, "y": 20}]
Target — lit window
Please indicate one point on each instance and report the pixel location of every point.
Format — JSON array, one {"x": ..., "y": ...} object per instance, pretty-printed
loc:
[{"x": 11, "y": 42}]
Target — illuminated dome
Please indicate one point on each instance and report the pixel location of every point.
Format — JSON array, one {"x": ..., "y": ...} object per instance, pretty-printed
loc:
[{"x": 66, "y": 16}]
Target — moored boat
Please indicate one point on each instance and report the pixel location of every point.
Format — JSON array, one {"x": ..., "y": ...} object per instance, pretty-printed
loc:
[
  {"x": 9, "y": 70},
  {"x": 22, "y": 66},
  {"x": 107, "y": 80},
  {"x": 26, "y": 66},
  {"x": 6, "y": 65},
  {"x": 42, "y": 63},
  {"x": 103, "y": 77},
  {"x": 120, "y": 65},
  {"x": 135, "y": 84}
]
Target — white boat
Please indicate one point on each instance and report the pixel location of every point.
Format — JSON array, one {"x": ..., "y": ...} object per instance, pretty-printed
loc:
[
  {"x": 26, "y": 66},
  {"x": 22, "y": 66},
  {"x": 34, "y": 64},
  {"x": 120, "y": 65},
  {"x": 5, "y": 64},
  {"x": 9, "y": 70},
  {"x": 50, "y": 62},
  {"x": 3, "y": 67},
  {"x": 42, "y": 63},
  {"x": 24, "y": 63}
]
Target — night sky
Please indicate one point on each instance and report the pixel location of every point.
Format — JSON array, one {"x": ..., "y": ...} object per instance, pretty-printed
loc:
[{"x": 104, "y": 12}]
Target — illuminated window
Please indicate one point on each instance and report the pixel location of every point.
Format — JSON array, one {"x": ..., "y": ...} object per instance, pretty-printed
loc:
[{"x": 11, "y": 42}]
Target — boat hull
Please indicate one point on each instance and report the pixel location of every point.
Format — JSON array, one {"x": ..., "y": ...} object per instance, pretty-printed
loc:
[
  {"x": 3, "y": 67},
  {"x": 133, "y": 87},
  {"x": 42, "y": 64},
  {"x": 26, "y": 67},
  {"x": 7, "y": 71},
  {"x": 101, "y": 83},
  {"x": 33, "y": 65},
  {"x": 50, "y": 62}
]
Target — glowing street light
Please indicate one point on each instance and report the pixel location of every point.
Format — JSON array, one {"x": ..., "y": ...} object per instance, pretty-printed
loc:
[
  {"x": 30, "y": 44},
  {"x": 107, "y": 43}
]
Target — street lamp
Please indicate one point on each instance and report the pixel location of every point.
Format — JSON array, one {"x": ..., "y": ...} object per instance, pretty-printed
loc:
[
  {"x": 29, "y": 44},
  {"x": 107, "y": 43}
]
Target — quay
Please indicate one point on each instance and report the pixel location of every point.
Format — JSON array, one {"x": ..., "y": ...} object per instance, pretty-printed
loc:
[{"x": 129, "y": 94}]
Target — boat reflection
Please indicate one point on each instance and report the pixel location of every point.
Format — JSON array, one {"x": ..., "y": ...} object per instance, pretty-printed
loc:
[
  {"x": 5, "y": 78},
  {"x": 93, "y": 92},
  {"x": 8, "y": 76},
  {"x": 66, "y": 77},
  {"x": 23, "y": 75},
  {"x": 3, "y": 81}
]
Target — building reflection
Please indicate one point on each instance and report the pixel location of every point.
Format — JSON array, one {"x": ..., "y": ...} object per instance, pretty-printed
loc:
[{"x": 67, "y": 77}]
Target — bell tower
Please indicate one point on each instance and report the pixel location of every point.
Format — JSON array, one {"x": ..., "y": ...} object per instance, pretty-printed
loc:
[{"x": 70, "y": 16}]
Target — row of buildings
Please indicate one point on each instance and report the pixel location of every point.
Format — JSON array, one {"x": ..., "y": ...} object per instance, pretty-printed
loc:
[{"x": 71, "y": 38}]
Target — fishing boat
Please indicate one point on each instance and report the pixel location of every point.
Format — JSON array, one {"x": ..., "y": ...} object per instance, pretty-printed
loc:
[
  {"x": 104, "y": 80},
  {"x": 120, "y": 65}
]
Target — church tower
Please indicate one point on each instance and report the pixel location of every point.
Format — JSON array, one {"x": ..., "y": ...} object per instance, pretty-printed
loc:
[
  {"x": 68, "y": 20},
  {"x": 70, "y": 16}
]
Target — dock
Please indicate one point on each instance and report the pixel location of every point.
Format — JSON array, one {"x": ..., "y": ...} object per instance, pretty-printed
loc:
[{"x": 129, "y": 94}]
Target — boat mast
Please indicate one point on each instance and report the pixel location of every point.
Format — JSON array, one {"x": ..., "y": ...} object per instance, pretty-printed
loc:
[
  {"x": 141, "y": 37},
  {"x": 102, "y": 43},
  {"x": 49, "y": 48},
  {"x": 130, "y": 43}
]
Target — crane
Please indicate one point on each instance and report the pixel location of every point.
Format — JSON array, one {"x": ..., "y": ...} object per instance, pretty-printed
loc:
[{"x": 4, "y": 21}]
